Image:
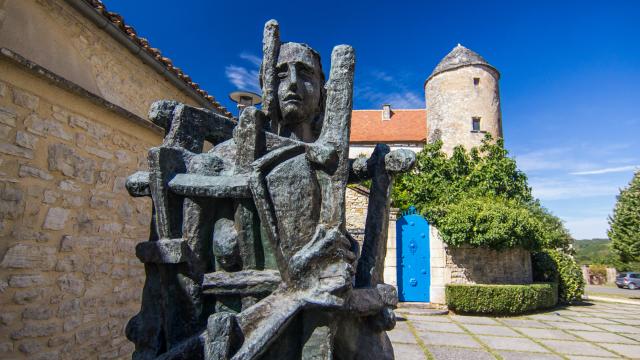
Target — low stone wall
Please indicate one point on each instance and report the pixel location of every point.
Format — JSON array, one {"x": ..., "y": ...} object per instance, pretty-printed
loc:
[{"x": 468, "y": 265}]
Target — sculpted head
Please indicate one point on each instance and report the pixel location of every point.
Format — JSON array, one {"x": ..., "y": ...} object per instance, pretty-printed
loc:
[{"x": 300, "y": 83}]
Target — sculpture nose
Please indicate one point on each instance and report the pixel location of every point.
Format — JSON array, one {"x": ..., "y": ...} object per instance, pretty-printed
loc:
[{"x": 293, "y": 78}]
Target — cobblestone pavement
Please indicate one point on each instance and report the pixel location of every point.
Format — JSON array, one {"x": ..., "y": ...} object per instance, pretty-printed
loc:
[{"x": 592, "y": 331}]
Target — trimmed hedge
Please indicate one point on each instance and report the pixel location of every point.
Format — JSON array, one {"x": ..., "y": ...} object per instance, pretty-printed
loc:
[
  {"x": 500, "y": 299},
  {"x": 558, "y": 267}
]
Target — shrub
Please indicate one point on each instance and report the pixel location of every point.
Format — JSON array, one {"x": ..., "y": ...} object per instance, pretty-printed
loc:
[
  {"x": 556, "y": 266},
  {"x": 500, "y": 299},
  {"x": 480, "y": 198}
]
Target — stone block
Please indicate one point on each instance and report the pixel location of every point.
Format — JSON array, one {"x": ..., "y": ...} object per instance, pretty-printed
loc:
[
  {"x": 56, "y": 218},
  {"x": 69, "y": 185},
  {"x": 46, "y": 127},
  {"x": 26, "y": 140},
  {"x": 14, "y": 150},
  {"x": 25, "y": 281},
  {"x": 27, "y": 256},
  {"x": 37, "y": 313},
  {"x": 66, "y": 160},
  {"x": 28, "y": 296},
  {"x": 7, "y": 116},
  {"x": 30, "y": 347},
  {"x": 50, "y": 196},
  {"x": 25, "y": 99},
  {"x": 107, "y": 155},
  {"x": 71, "y": 283},
  {"x": 5, "y": 132},
  {"x": 30, "y": 171},
  {"x": 71, "y": 323},
  {"x": 33, "y": 330},
  {"x": 69, "y": 308},
  {"x": 3, "y": 89}
]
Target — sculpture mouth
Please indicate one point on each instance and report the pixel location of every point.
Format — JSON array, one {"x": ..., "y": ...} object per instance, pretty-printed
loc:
[{"x": 293, "y": 98}]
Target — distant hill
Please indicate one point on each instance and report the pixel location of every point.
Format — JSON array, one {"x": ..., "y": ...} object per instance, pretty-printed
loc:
[{"x": 594, "y": 251}]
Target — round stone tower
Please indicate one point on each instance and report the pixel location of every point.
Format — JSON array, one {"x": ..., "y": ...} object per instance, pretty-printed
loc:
[{"x": 463, "y": 100}]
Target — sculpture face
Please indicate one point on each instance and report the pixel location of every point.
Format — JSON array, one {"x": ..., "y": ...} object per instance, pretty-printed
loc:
[{"x": 300, "y": 82}]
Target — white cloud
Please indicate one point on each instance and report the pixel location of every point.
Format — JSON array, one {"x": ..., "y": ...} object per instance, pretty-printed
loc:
[
  {"x": 606, "y": 170},
  {"x": 381, "y": 75},
  {"x": 255, "y": 60},
  {"x": 397, "y": 99},
  {"x": 558, "y": 189},
  {"x": 243, "y": 78}
]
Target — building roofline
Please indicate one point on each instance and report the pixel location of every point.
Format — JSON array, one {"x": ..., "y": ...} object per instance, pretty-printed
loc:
[
  {"x": 488, "y": 66},
  {"x": 114, "y": 25},
  {"x": 392, "y": 109}
]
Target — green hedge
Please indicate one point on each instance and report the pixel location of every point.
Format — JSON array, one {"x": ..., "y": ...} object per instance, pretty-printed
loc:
[
  {"x": 558, "y": 267},
  {"x": 501, "y": 299}
]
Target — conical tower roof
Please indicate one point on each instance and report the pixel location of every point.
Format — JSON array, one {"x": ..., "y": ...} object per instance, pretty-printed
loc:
[{"x": 459, "y": 57}]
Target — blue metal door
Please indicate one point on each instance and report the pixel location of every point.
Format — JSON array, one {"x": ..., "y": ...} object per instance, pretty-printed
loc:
[{"x": 413, "y": 263}]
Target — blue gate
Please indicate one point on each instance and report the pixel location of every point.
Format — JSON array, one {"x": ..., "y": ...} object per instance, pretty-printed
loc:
[{"x": 413, "y": 262}]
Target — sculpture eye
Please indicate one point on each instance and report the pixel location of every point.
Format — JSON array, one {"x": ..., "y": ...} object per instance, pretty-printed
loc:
[{"x": 282, "y": 75}]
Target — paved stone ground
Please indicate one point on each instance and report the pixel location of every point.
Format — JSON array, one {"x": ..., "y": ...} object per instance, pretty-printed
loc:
[{"x": 592, "y": 331}]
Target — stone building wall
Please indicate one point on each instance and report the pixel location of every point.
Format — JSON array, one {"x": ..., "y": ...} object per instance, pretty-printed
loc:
[
  {"x": 453, "y": 100},
  {"x": 356, "y": 202},
  {"x": 54, "y": 35},
  {"x": 69, "y": 279}
]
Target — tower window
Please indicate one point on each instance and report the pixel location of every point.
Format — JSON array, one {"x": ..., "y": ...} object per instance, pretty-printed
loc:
[
  {"x": 475, "y": 124},
  {"x": 476, "y": 81}
]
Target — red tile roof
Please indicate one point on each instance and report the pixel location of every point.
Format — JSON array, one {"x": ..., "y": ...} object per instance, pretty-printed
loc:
[
  {"x": 118, "y": 21},
  {"x": 406, "y": 125}
]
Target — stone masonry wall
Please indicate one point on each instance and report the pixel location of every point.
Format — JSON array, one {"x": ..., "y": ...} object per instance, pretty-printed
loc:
[
  {"x": 356, "y": 212},
  {"x": 69, "y": 279},
  {"x": 467, "y": 265},
  {"x": 54, "y": 35}
]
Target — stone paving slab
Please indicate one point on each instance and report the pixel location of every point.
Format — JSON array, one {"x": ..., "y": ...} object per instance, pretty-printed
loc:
[
  {"x": 631, "y": 351},
  {"x": 571, "y": 326},
  {"x": 552, "y": 334},
  {"x": 621, "y": 329},
  {"x": 509, "y": 343},
  {"x": 603, "y": 337},
  {"x": 401, "y": 334},
  {"x": 525, "y": 323},
  {"x": 450, "y": 353},
  {"x": 408, "y": 351},
  {"x": 593, "y": 320},
  {"x": 635, "y": 322},
  {"x": 600, "y": 331},
  {"x": 549, "y": 317},
  {"x": 576, "y": 348},
  {"x": 438, "y": 326},
  {"x": 478, "y": 320},
  {"x": 492, "y": 330},
  {"x": 513, "y": 355},
  {"x": 449, "y": 339}
]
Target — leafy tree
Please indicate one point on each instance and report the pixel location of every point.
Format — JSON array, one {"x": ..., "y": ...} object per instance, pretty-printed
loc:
[
  {"x": 480, "y": 198},
  {"x": 624, "y": 225}
]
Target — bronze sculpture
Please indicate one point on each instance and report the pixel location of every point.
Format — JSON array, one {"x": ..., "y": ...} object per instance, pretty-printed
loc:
[{"x": 249, "y": 257}]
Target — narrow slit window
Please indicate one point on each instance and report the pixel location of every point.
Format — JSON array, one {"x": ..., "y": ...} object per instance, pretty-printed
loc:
[
  {"x": 476, "y": 81},
  {"x": 475, "y": 124}
]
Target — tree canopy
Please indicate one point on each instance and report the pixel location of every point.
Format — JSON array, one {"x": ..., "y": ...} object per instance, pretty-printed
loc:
[
  {"x": 480, "y": 198},
  {"x": 624, "y": 230}
]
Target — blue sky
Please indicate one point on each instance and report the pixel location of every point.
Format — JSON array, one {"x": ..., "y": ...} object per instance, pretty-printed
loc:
[{"x": 570, "y": 85}]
